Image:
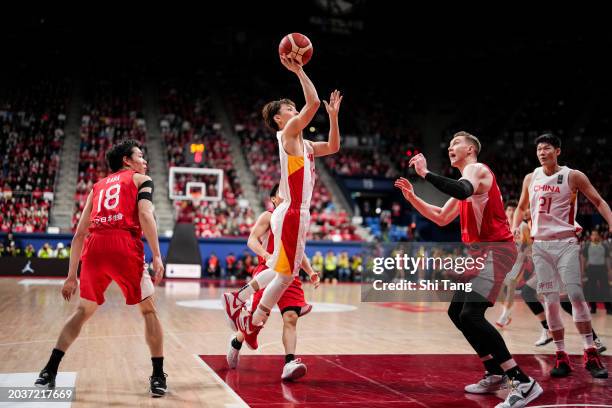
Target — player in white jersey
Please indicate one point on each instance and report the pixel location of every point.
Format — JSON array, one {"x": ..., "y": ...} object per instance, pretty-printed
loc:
[
  {"x": 290, "y": 221},
  {"x": 550, "y": 192}
]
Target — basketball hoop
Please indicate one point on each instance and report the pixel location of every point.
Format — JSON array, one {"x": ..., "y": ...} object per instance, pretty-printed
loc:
[{"x": 196, "y": 197}]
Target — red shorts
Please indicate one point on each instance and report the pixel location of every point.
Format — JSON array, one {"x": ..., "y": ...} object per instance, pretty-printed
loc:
[
  {"x": 499, "y": 260},
  {"x": 292, "y": 299},
  {"x": 114, "y": 255}
]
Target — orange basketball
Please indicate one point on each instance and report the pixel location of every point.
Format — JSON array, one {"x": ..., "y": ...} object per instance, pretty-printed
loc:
[{"x": 296, "y": 46}]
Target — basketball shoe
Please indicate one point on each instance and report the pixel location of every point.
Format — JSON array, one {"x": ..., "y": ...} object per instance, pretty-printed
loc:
[
  {"x": 592, "y": 362},
  {"x": 488, "y": 384},
  {"x": 293, "y": 370},
  {"x": 521, "y": 394}
]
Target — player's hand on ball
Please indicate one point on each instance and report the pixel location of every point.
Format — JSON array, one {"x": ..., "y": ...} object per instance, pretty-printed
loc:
[
  {"x": 69, "y": 288},
  {"x": 158, "y": 268},
  {"x": 420, "y": 164},
  {"x": 315, "y": 279},
  {"x": 406, "y": 187},
  {"x": 291, "y": 64},
  {"x": 333, "y": 106}
]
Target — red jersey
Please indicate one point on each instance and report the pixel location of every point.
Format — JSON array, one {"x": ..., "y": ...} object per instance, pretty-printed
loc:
[
  {"x": 115, "y": 204},
  {"x": 268, "y": 243},
  {"x": 483, "y": 218}
]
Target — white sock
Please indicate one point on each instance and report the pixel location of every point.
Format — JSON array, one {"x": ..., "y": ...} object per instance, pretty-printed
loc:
[
  {"x": 560, "y": 344},
  {"x": 588, "y": 340},
  {"x": 272, "y": 293}
]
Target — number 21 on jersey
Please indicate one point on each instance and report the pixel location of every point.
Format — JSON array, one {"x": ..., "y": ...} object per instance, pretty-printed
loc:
[{"x": 545, "y": 203}]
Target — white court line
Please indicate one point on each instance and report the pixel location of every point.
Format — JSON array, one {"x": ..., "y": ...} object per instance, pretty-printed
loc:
[
  {"x": 241, "y": 402},
  {"x": 374, "y": 382}
]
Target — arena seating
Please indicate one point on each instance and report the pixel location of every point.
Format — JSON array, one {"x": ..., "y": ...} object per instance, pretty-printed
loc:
[
  {"x": 32, "y": 118},
  {"x": 187, "y": 118}
]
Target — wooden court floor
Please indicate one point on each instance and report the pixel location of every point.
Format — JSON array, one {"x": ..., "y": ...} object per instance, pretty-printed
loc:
[{"x": 112, "y": 362}]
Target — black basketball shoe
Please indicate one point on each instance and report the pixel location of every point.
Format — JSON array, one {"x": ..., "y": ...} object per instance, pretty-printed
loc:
[
  {"x": 46, "y": 379},
  {"x": 158, "y": 386}
]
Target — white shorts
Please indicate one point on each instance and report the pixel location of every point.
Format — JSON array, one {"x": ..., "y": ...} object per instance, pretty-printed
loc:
[
  {"x": 289, "y": 227},
  {"x": 556, "y": 263}
]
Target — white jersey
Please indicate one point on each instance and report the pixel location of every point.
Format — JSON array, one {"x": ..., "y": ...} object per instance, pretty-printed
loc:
[
  {"x": 297, "y": 176},
  {"x": 552, "y": 205}
]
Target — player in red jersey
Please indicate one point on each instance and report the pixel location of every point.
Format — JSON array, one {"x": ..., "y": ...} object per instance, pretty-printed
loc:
[
  {"x": 292, "y": 303},
  {"x": 477, "y": 200},
  {"x": 117, "y": 212}
]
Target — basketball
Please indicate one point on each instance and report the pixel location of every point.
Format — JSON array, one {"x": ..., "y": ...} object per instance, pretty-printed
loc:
[{"x": 296, "y": 46}]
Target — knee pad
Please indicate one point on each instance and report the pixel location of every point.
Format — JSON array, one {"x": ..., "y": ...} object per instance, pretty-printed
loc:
[
  {"x": 264, "y": 278},
  {"x": 574, "y": 293},
  {"x": 581, "y": 312},
  {"x": 553, "y": 311},
  {"x": 580, "y": 308}
]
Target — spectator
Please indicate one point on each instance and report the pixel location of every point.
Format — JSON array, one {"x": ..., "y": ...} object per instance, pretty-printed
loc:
[
  {"x": 344, "y": 272},
  {"x": 2, "y": 250},
  {"x": 317, "y": 263},
  {"x": 230, "y": 264},
  {"x": 356, "y": 266},
  {"x": 45, "y": 251},
  {"x": 212, "y": 266},
  {"x": 331, "y": 268},
  {"x": 13, "y": 250},
  {"x": 30, "y": 252},
  {"x": 61, "y": 252}
]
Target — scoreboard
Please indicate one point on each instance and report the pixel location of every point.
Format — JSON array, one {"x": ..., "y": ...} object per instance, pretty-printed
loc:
[{"x": 194, "y": 153}]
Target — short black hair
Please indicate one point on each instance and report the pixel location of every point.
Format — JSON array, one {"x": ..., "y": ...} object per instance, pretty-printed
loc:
[
  {"x": 511, "y": 203},
  {"x": 549, "y": 138},
  {"x": 274, "y": 190},
  {"x": 125, "y": 148},
  {"x": 271, "y": 109}
]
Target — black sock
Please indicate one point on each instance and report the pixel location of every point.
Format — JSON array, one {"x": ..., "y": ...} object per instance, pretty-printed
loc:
[
  {"x": 289, "y": 358},
  {"x": 594, "y": 335},
  {"x": 544, "y": 324},
  {"x": 54, "y": 360},
  {"x": 516, "y": 373},
  {"x": 236, "y": 344},
  {"x": 158, "y": 366},
  {"x": 492, "y": 367}
]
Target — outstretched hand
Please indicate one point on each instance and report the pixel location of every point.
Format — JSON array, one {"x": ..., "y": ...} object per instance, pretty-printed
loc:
[
  {"x": 333, "y": 106},
  {"x": 420, "y": 164},
  {"x": 406, "y": 187},
  {"x": 290, "y": 63}
]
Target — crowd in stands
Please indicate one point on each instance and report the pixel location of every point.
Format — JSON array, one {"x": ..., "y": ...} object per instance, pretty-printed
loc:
[
  {"x": 113, "y": 111},
  {"x": 32, "y": 119},
  {"x": 188, "y": 118}
]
